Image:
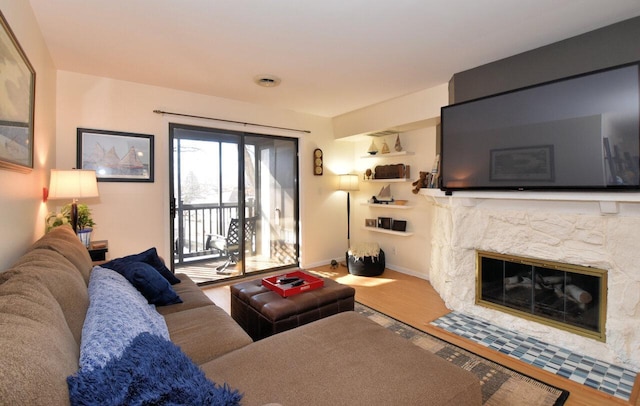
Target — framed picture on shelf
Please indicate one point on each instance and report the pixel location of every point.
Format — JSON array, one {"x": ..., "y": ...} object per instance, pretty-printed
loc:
[
  {"x": 384, "y": 222},
  {"x": 370, "y": 223},
  {"x": 116, "y": 156},
  {"x": 399, "y": 225},
  {"x": 16, "y": 103}
]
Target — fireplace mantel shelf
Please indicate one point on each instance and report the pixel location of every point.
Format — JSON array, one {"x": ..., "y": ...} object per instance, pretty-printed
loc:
[{"x": 608, "y": 201}]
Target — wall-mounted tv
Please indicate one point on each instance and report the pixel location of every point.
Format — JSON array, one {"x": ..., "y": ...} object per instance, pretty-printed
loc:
[{"x": 578, "y": 133}]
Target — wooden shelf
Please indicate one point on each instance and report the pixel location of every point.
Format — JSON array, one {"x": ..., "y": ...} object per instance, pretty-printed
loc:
[
  {"x": 385, "y": 231},
  {"x": 389, "y": 155},
  {"x": 389, "y": 206}
]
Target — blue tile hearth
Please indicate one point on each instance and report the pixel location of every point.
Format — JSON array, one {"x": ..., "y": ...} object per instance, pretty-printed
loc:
[{"x": 612, "y": 379}]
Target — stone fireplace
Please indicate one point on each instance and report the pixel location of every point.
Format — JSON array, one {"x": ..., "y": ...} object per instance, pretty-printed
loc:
[{"x": 582, "y": 231}]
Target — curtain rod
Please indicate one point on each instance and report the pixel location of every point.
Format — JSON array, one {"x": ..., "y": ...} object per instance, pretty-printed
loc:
[{"x": 230, "y": 121}]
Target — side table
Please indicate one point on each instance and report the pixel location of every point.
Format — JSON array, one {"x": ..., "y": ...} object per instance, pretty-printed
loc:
[{"x": 98, "y": 250}]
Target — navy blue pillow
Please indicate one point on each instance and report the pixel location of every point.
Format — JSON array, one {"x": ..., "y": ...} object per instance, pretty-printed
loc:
[
  {"x": 150, "y": 257},
  {"x": 147, "y": 280}
]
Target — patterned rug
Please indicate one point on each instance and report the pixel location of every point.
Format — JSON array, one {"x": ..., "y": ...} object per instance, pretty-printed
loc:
[{"x": 500, "y": 385}]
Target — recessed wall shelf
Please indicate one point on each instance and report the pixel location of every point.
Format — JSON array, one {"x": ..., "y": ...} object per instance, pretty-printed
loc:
[
  {"x": 386, "y": 231},
  {"x": 389, "y": 155}
]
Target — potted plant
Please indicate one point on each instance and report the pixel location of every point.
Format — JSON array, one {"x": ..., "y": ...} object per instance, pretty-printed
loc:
[{"x": 85, "y": 221}]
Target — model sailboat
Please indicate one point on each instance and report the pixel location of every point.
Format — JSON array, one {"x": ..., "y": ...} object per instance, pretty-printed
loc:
[{"x": 384, "y": 196}]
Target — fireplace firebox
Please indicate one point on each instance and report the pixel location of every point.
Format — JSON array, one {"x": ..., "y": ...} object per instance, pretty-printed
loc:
[{"x": 569, "y": 297}]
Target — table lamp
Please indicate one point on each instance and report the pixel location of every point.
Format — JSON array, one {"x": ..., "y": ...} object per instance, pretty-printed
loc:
[{"x": 73, "y": 184}]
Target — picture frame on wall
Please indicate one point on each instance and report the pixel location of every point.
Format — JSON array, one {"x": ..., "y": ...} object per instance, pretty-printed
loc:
[
  {"x": 116, "y": 156},
  {"x": 17, "y": 105}
]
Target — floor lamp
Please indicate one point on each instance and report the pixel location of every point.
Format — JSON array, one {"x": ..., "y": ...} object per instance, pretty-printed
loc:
[
  {"x": 348, "y": 183},
  {"x": 73, "y": 184}
]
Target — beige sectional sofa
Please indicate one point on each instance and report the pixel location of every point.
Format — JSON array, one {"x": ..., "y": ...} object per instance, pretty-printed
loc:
[{"x": 343, "y": 359}]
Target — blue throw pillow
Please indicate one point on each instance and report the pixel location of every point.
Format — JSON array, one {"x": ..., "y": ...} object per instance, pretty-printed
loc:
[
  {"x": 117, "y": 313},
  {"x": 150, "y": 257},
  {"x": 151, "y": 371},
  {"x": 148, "y": 281}
]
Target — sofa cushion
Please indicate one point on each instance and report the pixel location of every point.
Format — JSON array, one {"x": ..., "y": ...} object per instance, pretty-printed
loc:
[
  {"x": 151, "y": 371},
  {"x": 355, "y": 360},
  {"x": 153, "y": 286},
  {"x": 150, "y": 257},
  {"x": 205, "y": 333},
  {"x": 117, "y": 314},
  {"x": 190, "y": 293},
  {"x": 62, "y": 279},
  {"x": 64, "y": 241},
  {"x": 37, "y": 347}
]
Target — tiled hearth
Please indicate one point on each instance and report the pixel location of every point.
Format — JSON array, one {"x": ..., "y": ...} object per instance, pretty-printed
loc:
[{"x": 612, "y": 379}]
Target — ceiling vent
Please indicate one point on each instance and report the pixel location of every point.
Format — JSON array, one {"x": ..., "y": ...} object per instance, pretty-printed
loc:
[{"x": 267, "y": 80}]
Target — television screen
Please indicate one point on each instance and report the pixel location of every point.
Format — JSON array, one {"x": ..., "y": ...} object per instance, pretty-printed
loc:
[{"x": 582, "y": 132}]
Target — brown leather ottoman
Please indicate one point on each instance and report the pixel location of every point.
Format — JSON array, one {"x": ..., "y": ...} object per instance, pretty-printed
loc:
[{"x": 262, "y": 312}]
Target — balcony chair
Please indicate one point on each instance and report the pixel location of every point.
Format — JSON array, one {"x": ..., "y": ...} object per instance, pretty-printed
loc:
[{"x": 229, "y": 245}]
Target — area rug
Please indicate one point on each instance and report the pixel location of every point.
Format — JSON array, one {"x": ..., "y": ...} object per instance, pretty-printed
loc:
[{"x": 500, "y": 385}]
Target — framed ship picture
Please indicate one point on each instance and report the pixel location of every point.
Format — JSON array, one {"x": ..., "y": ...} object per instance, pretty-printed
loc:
[{"x": 116, "y": 156}]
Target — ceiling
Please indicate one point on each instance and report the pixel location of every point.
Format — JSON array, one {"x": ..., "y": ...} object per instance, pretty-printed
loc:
[{"x": 333, "y": 56}]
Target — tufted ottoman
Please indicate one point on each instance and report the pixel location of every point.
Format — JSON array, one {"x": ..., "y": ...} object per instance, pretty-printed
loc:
[{"x": 262, "y": 312}]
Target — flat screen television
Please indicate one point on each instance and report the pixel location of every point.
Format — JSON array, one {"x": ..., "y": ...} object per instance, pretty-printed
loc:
[{"x": 578, "y": 133}]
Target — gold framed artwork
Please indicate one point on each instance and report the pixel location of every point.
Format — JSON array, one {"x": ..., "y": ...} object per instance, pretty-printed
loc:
[{"x": 17, "y": 93}]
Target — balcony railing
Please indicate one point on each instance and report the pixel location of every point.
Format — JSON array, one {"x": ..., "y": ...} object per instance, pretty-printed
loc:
[{"x": 195, "y": 222}]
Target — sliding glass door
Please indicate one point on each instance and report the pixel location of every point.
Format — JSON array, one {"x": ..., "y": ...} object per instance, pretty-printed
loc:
[{"x": 234, "y": 202}]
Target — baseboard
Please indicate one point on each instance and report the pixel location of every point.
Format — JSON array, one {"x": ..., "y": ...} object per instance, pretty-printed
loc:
[{"x": 393, "y": 267}]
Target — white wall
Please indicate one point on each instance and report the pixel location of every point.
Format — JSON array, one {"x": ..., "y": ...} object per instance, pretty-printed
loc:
[
  {"x": 134, "y": 216},
  {"x": 22, "y": 210},
  {"x": 415, "y": 117}
]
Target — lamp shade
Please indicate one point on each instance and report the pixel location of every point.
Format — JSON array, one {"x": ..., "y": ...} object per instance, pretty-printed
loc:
[
  {"x": 347, "y": 182},
  {"x": 72, "y": 184}
]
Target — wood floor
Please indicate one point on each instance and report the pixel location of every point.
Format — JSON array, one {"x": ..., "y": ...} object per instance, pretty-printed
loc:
[{"x": 414, "y": 301}]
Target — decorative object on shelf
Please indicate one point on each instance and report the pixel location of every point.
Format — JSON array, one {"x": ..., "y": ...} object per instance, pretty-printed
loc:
[
  {"x": 317, "y": 162},
  {"x": 423, "y": 182},
  {"x": 373, "y": 148},
  {"x": 384, "y": 196},
  {"x": 435, "y": 173},
  {"x": 370, "y": 223},
  {"x": 397, "y": 171},
  {"x": 367, "y": 174},
  {"x": 348, "y": 183},
  {"x": 384, "y": 222},
  {"x": 17, "y": 101},
  {"x": 385, "y": 147},
  {"x": 398, "y": 146},
  {"x": 116, "y": 156},
  {"x": 73, "y": 184},
  {"x": 399, "y": 225},
  {"x": 400, "y": 202}
]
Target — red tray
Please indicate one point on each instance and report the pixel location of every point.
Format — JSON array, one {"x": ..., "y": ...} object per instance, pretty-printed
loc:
[{"x": 310, "y": 283}]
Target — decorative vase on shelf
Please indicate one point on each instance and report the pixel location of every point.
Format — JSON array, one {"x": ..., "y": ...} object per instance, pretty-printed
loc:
[{"x": 85, "y": 236}]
